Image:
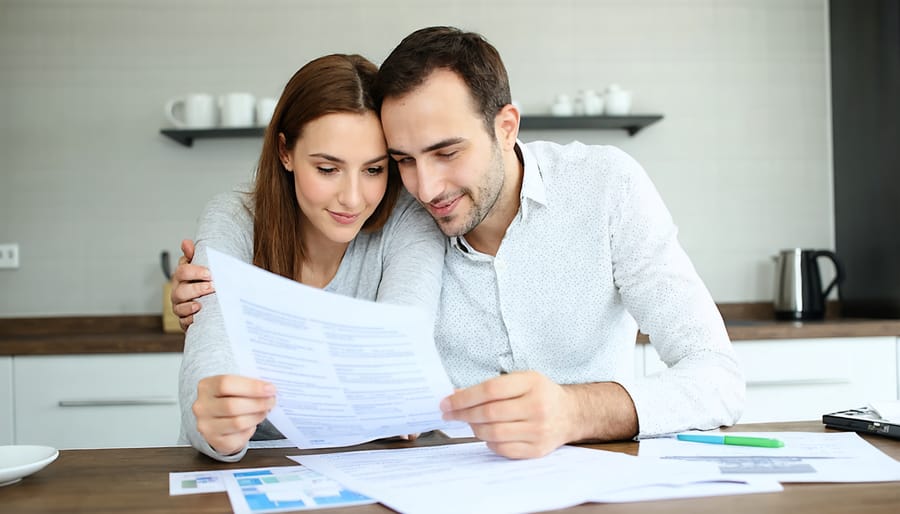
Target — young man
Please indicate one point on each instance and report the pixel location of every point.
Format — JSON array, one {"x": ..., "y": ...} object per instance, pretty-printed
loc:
[{"x": 553, "y": 253}]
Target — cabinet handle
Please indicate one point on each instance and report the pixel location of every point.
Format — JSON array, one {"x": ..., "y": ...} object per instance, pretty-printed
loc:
[
  {"x": 118, "y": 402},
  {"x": 797, "y": 382}
]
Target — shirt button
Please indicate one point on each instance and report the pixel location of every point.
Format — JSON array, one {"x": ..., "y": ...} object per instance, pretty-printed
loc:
[{"x": 499, "y": 265}]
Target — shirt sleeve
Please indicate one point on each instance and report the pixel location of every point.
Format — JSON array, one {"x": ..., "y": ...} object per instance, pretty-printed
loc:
[
  {"x": 413, "y": 257},
  {"x": 703, "y": 386},
  {"x": 227, "y": 226}
]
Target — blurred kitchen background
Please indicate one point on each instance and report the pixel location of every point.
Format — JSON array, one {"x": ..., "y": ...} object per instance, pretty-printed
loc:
[{"x": 92, "y": 192}]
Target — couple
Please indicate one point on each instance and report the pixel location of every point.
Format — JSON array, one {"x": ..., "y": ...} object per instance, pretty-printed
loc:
[{"x": 551, "y": 254}]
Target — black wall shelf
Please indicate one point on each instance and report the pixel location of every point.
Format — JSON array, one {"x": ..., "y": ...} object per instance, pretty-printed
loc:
[
  {"x": 187, "y": 136},
  {"x": 632, "y": 124}
]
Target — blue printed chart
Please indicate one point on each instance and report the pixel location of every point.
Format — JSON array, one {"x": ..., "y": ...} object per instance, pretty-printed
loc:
[{"x": 285, "y": 489}]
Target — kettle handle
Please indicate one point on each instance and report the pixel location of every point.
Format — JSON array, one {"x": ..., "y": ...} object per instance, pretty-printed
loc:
[{"x": 838, "y": 270}]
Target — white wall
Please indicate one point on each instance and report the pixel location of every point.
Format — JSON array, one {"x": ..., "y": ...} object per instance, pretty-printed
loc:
[{"x": 92, "y": 192}]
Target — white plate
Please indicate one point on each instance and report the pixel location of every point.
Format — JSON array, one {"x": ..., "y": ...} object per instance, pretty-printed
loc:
[{"x": 21, "y": 460}]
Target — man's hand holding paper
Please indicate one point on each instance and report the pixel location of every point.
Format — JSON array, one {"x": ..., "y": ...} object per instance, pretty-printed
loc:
[{"x": 525, "y": 415}]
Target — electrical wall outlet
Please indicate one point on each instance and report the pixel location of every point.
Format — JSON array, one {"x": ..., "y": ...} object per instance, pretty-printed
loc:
[{"x": 9, "y": 256}]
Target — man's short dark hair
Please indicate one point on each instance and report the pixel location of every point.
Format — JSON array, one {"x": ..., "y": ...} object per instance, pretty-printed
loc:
[{"x": 467, "y": 54}]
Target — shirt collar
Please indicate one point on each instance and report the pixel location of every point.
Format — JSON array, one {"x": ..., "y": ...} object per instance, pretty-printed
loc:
[
  {"x": 532, "y": 181},
  {"x": 533, "y": 190}
]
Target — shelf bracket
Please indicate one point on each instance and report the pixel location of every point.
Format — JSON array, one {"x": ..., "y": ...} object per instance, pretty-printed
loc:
[{"x": 178, "y": 136}]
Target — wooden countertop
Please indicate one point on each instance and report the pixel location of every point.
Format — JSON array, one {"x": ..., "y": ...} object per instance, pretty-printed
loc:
[
  {"x": 142, "y": 334},
  {"x": 756, "y": 321},
  {"x": 742, "y": 330},
  {"x": 86, "y": 334},
  {"x": 133, "y": 480}
]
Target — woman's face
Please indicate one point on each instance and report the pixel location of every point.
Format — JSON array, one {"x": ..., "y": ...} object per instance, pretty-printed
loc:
[{"x": 340, "y": 168}]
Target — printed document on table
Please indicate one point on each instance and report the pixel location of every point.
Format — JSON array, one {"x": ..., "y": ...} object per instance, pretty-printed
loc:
[
  {"x": 285, "y": 489},
  {"x": 196, "y": 482},
  {"x": 346, "y": 370},
  {"x": 805, "y": 457},
  {"x": 469, "y": 477}
]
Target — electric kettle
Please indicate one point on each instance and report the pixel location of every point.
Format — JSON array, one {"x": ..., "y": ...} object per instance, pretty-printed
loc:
[{"x": 798, "y": 284}]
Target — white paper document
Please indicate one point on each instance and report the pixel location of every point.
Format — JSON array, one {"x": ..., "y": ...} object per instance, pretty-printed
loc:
[
  {"x": 805, "y": 457},
  {"x": 888, "y": 410},
  {"x": 469, "y": 477},
  {"x": 261, "y": 490},
  {"x": 196, "y": 482},
  {"x": 285, "y": 489},
  {"x": 347, "y": 371}
]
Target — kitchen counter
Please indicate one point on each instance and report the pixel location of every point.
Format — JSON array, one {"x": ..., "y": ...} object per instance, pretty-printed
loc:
[
  {"x": 746, "y": 330},
  {"x": 86, "y": 335},
  {"x": 742, "y": 330},
  {"x": 144, "y": 334},
  {"x": 756, "y": 321}
]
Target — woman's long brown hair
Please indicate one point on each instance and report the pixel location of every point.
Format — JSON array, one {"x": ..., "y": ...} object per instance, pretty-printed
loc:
[{"x": 332, "y": 84}]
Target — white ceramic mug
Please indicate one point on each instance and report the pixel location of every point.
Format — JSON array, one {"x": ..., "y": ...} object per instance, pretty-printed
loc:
[
  {"x": 192, "y": 111},
  {"x": 237, "y": 109},
  {"x": 265, "y": 108}
]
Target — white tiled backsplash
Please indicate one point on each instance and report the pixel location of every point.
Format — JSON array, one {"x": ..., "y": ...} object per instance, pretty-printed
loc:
[{"x": 92, "y": 193}]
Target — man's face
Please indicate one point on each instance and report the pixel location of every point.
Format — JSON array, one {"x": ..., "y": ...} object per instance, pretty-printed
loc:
[{"x": 446, "y": 156}]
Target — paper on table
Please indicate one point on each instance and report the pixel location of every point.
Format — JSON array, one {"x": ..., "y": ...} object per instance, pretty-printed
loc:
[
  {"x": 805, "y": 457},
  {"x": 285, "y": 489},
  {"x": 747, "y": 485},
  {"x": 346, "y": 370},
  {"x": 888, "y": 410},
  {"x": 260, "y": 490},
  {"x": 469, "y": 477},
  {"x": 195, "y": 482}
]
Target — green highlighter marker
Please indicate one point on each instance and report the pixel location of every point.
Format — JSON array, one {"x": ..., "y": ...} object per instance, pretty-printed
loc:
[{"x": 761, "y": 442}]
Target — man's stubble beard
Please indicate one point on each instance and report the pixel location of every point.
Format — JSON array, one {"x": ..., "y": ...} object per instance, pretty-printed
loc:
[{"x": 488, "y": 191}]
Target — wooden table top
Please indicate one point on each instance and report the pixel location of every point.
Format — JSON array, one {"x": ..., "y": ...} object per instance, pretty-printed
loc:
[{"x": 136, "y": 480}]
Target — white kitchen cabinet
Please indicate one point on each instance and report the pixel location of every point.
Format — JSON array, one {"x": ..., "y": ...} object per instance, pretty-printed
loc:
[
  {"x": 801, "y": 379},
  {"x": 6, "y": 401},
  {"x": 97, "y": 401}
]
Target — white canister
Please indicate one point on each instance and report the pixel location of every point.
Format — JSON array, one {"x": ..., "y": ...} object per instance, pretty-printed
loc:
[
  {"x": 618, "y": 101},
  {"x": 562, "y": 106},
  {"x": 196, "y": 110},
  {"x": 237, "y": 109}
]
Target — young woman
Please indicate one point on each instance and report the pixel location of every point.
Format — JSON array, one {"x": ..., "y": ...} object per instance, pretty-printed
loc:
[{"x": 327, "y": 209}]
